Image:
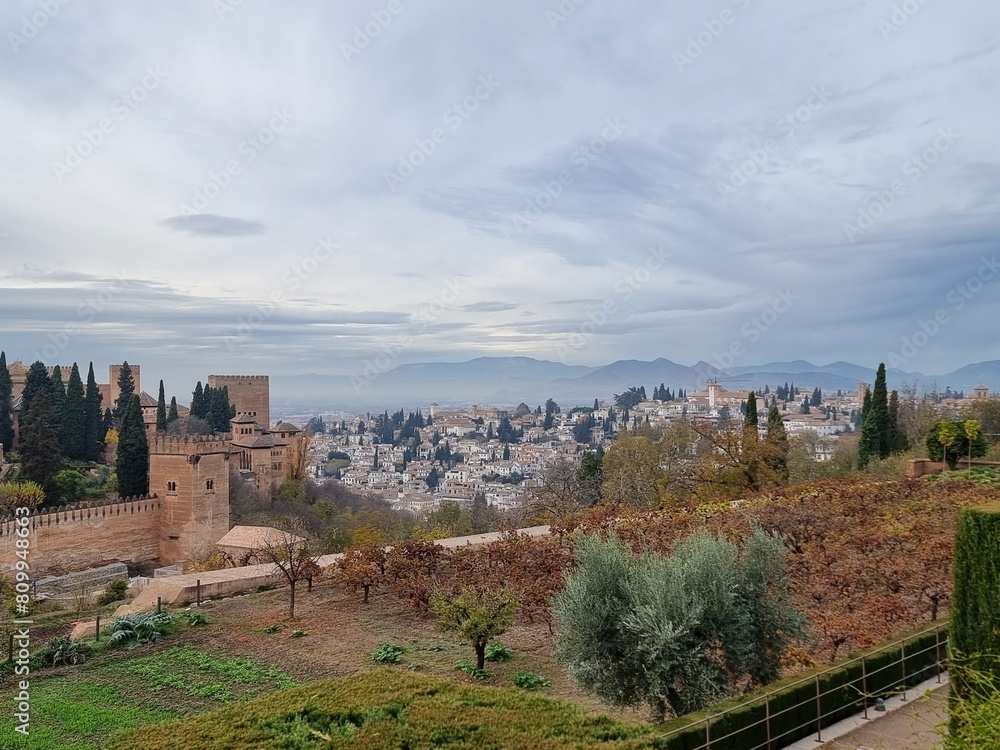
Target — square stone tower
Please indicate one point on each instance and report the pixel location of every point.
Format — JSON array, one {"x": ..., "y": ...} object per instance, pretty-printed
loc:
[
  {"x": 250, "y": 394},
  {"x": 191, "y": 478}
]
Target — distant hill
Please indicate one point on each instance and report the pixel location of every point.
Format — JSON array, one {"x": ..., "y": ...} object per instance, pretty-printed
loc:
[{"x": 510, "y": 380}]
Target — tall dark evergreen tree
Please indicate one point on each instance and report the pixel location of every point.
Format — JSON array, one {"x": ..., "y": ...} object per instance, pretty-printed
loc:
[
  {"x": 880, "y": 413},
  {"x": 74, "y": 420},
  {"x": 133, "y": 452},
  {"x": 161, "y": 410},
  {"x": 817, "y": 397},
  {"x": 36, "y": 380},
  {"x": 868, "y": 443},
  {"x": 897, "y": 437},
  {"x": 6, "y": 402},
  {"x": 777, "y": 436},
  {"x": 751, "y": 419},
  {"x": 198, "y": 406},
  {"x": 59, "y": 404},
  {"x": 94, "y": 432},
  {"x": 40, "y": 449},
  {"x": 126, "y": 389},
  {"x": 172, "y": 415}
]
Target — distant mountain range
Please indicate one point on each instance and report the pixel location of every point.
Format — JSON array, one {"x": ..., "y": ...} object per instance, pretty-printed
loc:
[{"x": 510, "y": 380}]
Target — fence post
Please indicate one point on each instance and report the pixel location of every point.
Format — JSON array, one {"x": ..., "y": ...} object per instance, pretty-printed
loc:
[
  {"x": 198, "y": 592},
  {"x": 97, "y": 632},
  {"x": 767, "y": 718},
  {"x": 902, "y": 661},
  {"x": 937, "y": 651},
  {"x": 158, "y": 605},
  {"x": 708, "y": 733},
  {"x": 819, "y": 714},
  {"x": 864, "y": 682}
]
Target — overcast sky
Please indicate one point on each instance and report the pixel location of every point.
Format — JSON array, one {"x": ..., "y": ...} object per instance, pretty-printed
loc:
[{"x": 298, "y": 187}]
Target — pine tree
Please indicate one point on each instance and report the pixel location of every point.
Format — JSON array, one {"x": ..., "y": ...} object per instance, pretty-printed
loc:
[
  {"x": 173, "y": 416},
  {"x": 817, "y": 397},
  {"x": 6, "y": 402},
  {"x": 161, "y": 410},
  {"x": 133, "y": 452},
  {"x": 40, "y": 450},
  {"x": 506, "y": 453},
  {"x": 597, "y": 404},
  {"x": 94, "y": 432},
  {"x": 74, "y": 422},
  {"x": 751, "y": 419}
]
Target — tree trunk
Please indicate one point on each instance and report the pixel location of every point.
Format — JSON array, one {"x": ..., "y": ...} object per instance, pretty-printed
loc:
[
  {"x": 480, "y": 655},
  {"x": 291, "y": 601},
  {"x": 366, "y": 587}
]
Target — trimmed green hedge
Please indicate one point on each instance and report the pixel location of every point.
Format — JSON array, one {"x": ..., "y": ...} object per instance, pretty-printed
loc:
[
  {"x": 793, "y": 701},
  {"x": 976, "y": 599}
]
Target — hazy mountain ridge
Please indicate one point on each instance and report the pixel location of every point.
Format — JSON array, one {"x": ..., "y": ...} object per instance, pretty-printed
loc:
[{"x": 509, "y": 380}]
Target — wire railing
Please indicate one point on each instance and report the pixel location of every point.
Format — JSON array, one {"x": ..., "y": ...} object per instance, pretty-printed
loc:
[{"x": 859, "y": 691}]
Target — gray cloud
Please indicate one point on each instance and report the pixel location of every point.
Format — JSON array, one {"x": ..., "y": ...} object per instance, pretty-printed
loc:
[
  {"x": 213, "y": 225},
  {"x": 332, "y": 265}
]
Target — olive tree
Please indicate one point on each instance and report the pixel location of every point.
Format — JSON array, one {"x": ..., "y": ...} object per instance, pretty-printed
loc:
[{"x": 677, "y": 632}]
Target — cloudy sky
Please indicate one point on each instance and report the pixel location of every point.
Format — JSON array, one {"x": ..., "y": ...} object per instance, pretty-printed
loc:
[{"x": 241, "y": 186}]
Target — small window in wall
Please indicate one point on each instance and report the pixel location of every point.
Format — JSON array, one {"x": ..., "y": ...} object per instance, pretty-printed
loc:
[
  {"x": 174, "y": 538},
  {"x": 171, "y": 488},
  {"x": 210, "y": 484}
]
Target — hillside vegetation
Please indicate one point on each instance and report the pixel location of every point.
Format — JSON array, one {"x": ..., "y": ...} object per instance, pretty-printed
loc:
[{"x": 385, "y": 709}]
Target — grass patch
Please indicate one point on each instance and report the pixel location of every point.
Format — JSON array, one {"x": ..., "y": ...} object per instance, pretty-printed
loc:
[
  {"x": 203, "y": 674},
  {"x": 73, "y": 714},
  {"x": 382, "y": 709}
]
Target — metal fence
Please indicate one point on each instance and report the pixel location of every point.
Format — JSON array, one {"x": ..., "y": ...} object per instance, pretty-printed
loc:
[{"x": 868, "y": 684}]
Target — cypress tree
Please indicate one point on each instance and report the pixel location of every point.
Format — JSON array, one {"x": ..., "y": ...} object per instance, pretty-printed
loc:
[
  {"x": 975, "y": 608},
  {"x": 880, "y": 413},
  {"x": 161, "y": 411},
  {"x": 74, "y": 421},
  {"x": 6, "y": 402},
  {"x": 172, "y": 416},
  {"x": 126, "y": 389},
  {"x": 59, "y": 405},
  {"x": 94, "y": 432},
  {"x": 777, "y": 436},
  {"x": 751, "y": 420},
  {"x": 198, "y": 402},
  {"x": 897, "y": 438},
  {"x": 868, "y": 444},
  {"x": 40, "y": 450},
  {"x": 36, "y": 380},
  {"x": 133, "y": 452}
]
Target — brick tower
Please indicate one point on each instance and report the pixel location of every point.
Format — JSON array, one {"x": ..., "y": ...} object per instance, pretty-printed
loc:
[
  {"x": 191, "y": 477},
  {"x": 250, "y": 394}
]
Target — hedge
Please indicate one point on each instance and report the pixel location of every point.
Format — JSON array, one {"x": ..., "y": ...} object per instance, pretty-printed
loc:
[
  {"x": 976, "y": 598},
  {"x": 793, "y": 711}
]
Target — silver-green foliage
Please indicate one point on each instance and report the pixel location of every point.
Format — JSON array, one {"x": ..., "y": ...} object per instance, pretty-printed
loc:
[
  {"x": 141, "y": 627},
  {"x": 677, "y": 632}
]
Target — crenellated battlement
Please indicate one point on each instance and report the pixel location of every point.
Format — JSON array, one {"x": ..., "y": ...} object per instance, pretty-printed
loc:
[
  {"x": 67, "y": 515},
  {"x": 188, "y": 445},
  {"x": 262, "y": 379}
]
